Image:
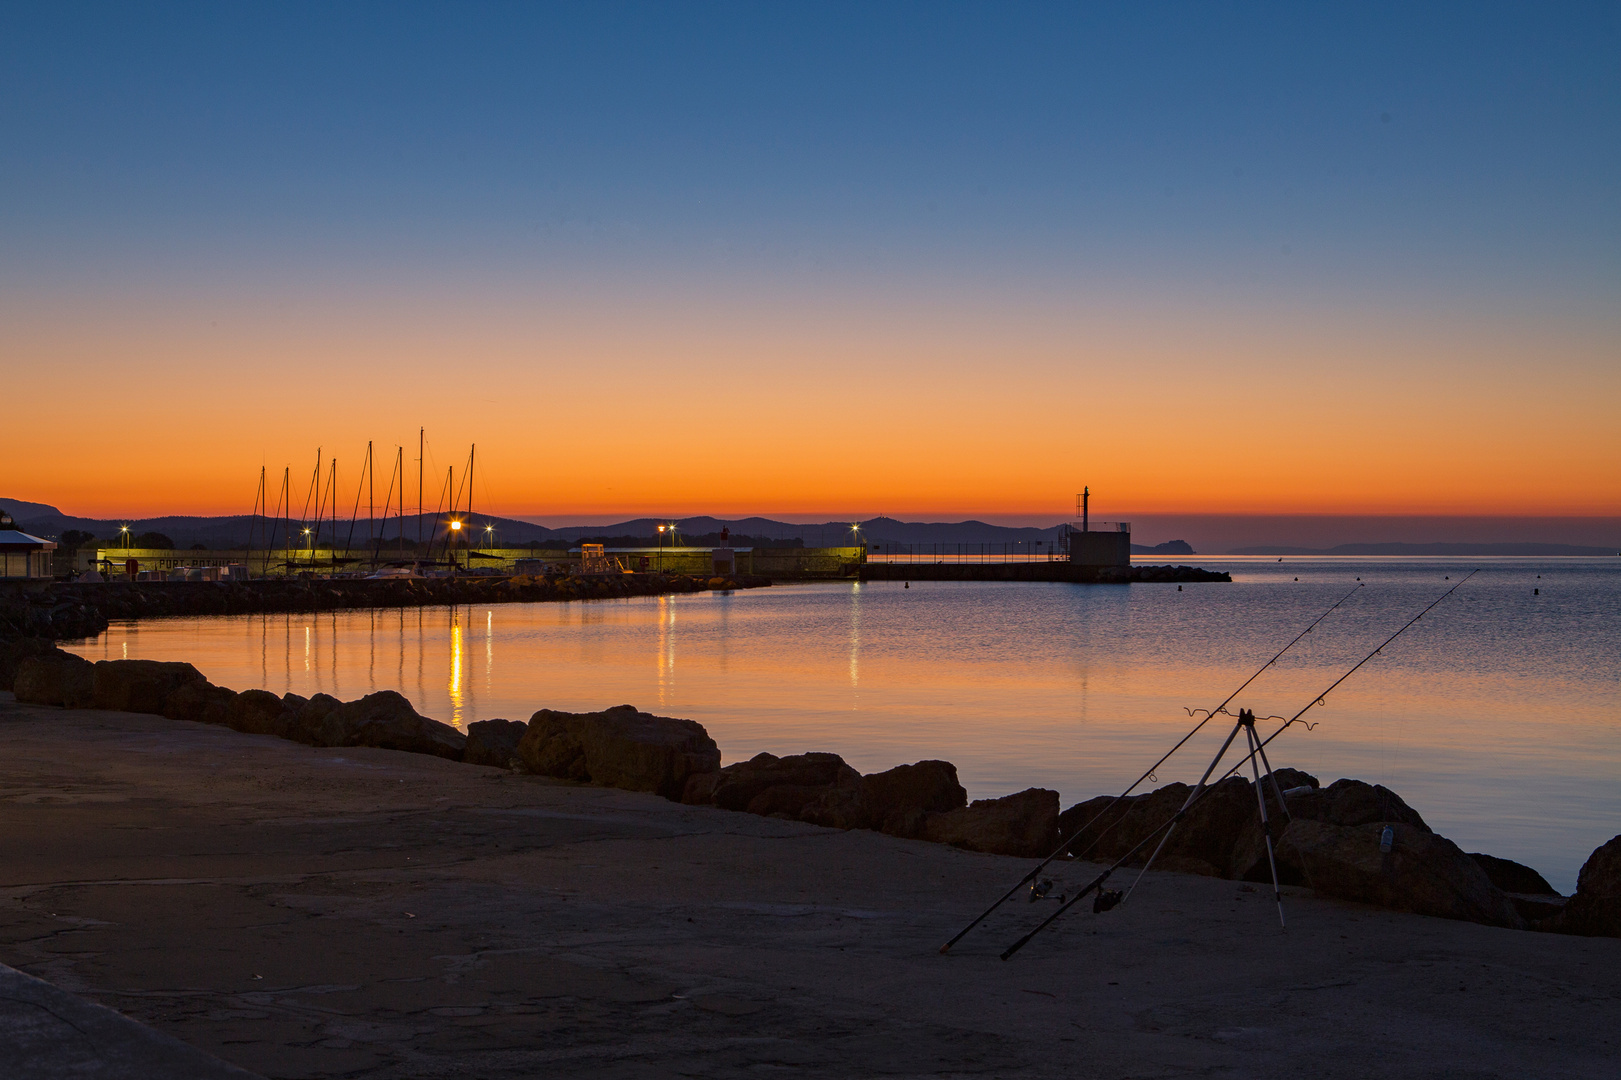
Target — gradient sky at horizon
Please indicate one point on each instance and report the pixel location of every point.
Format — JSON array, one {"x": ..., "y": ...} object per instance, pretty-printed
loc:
[{"x": 919, "y": 259}]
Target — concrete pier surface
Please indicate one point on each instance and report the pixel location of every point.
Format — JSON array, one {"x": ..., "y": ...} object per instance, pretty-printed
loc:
[
  {"x": 47, "y": 1033},
  {"x": 304, "y": 912}
]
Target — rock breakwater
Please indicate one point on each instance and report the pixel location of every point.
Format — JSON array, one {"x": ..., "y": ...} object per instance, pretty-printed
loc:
[
  {"x": 64, "y": 611},
  {"x": 1349, "y": 840}
]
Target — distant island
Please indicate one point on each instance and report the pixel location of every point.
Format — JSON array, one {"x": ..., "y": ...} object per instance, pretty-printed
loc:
[{"x": 1170, "y": 547}]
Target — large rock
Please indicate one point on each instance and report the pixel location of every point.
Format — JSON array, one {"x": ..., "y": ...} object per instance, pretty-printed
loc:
[
  {"x": 55, "y": 678},
  {"x": 13, "y": 651},
  {"x": 1249, "y": 861},
  {"x": 899, "y": 800},
  {"x": 1513, "y": 877},
  {"x": 494, "y": 742},
  {"x": 199, "y": 702},
  {"x": 388, "y": 721},
  {"x": 1595, "y": 909},
  {"x": 140, "y": 685},
  {"x": 620, "y": 747},
  {"x": 1353, "y": 802},
  {"x": 789, "y": 786},
  {"x": 838, "y": 806},
  {"x": 1025, "y": 824},
  {"x": 1290, "y": 780},
  {"x": 308, "y": 720},
  {"x": 1106, "y": 830},
  {"x": 1221, "y": 834},
  {"x": 1422, "y": 873},
  {"x": 257, "y": 712},
  {"x": 1203, "y": 842}
]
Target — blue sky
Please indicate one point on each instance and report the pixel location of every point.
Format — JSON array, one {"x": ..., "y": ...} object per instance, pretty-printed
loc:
[
  {"x": 1260, "y": 201},
  {"x": 1463, "y": 146}
]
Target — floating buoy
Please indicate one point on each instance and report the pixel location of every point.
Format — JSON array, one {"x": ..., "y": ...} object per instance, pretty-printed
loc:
[
  {"x": 1536, "y": 592},
  {"x": 1179, "y": 588},
  {"x": 908, "y": 585}
]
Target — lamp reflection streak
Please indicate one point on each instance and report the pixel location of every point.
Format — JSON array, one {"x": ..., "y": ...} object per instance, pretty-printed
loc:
[
  {"x": 455, "y": 672},
  {"x": 666, "y": 648}
]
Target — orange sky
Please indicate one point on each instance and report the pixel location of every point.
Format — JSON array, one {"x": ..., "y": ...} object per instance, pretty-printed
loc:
[
  {"x": 820, "y": 261},
  {"x": 937, "y": 407}
]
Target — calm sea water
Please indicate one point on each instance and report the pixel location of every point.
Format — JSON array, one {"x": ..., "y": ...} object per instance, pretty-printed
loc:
[{"x": 1497, "y": 716}]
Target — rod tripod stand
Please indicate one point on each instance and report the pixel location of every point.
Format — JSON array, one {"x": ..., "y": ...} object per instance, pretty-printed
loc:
[
  {"x": 1257, "y": 757},
  {"x": 1109, "y": 898}
]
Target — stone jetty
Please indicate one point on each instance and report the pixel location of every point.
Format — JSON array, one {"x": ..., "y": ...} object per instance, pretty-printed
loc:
[{"x": 70, "y": 610}]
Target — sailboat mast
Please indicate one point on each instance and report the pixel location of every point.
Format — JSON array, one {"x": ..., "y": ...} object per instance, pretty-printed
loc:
[
  {"x": 259, "y": 509},
  {"x": 287, "y": 513},
  {"x": 399, "y": 463}
]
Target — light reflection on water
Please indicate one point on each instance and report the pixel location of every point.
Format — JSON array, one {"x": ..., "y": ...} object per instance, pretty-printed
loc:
[{"x": 1498, "y": 716}]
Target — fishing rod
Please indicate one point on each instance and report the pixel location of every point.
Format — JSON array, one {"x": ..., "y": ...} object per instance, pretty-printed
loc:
[
  {"x": 1114, "y": 898},
  {"x": 1062, "y": 848},
  {"x": 1319, "y": 699}
]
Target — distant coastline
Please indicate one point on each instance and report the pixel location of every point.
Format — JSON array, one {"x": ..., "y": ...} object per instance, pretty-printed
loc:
[
  {"x": 1542, "y": 550},
  {"x": 1194, "y": 534}
]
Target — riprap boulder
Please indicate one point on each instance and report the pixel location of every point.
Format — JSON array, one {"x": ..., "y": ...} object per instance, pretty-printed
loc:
[
  {"x": 494, "y": 742},
  {"x": 1024, "y": 824},
  {"x": 141, "y": 686},
  {"x": 388, "y": 721},
  {"x": 621, "y": 747}
]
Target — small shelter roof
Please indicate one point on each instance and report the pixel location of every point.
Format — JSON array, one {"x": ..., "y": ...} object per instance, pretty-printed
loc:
[{"x": 15, "y": 540}]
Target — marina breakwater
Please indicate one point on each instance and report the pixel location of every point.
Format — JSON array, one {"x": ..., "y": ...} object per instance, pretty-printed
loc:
[
  {"x": 62, "y": 611},
  {"x": 1350, "y": 840}
]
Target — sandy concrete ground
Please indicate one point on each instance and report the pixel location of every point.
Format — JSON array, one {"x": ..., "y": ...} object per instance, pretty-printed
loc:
[
  {"x": 47, "y": 1033},
  {"x": 305, "y": 912}
]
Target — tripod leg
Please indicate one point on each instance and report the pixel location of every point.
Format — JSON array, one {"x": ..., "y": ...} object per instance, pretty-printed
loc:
[
  {"x": 1266, "y": 825},
  {"x": 1160, "y": 847},
  {"x": 1192, "y": 795},
  {"x": 1271, "y": 776}
]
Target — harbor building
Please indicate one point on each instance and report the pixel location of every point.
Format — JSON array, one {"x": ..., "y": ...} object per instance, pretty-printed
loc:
[{"x": 22, "y": 555}]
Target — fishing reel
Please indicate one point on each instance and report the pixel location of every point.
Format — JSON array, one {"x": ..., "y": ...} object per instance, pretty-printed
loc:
[
  {"x": 1041, "y": 890},
  {"x": 1106, "y": 900}
]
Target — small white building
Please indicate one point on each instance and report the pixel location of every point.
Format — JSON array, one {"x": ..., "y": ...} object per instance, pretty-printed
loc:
[{"x": 22, "y": 555}]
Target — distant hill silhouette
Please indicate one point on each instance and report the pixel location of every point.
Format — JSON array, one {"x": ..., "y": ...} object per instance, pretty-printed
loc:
[
  {"x": 1170, "y": 547},
  {"x": 232, "y": 531}
]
